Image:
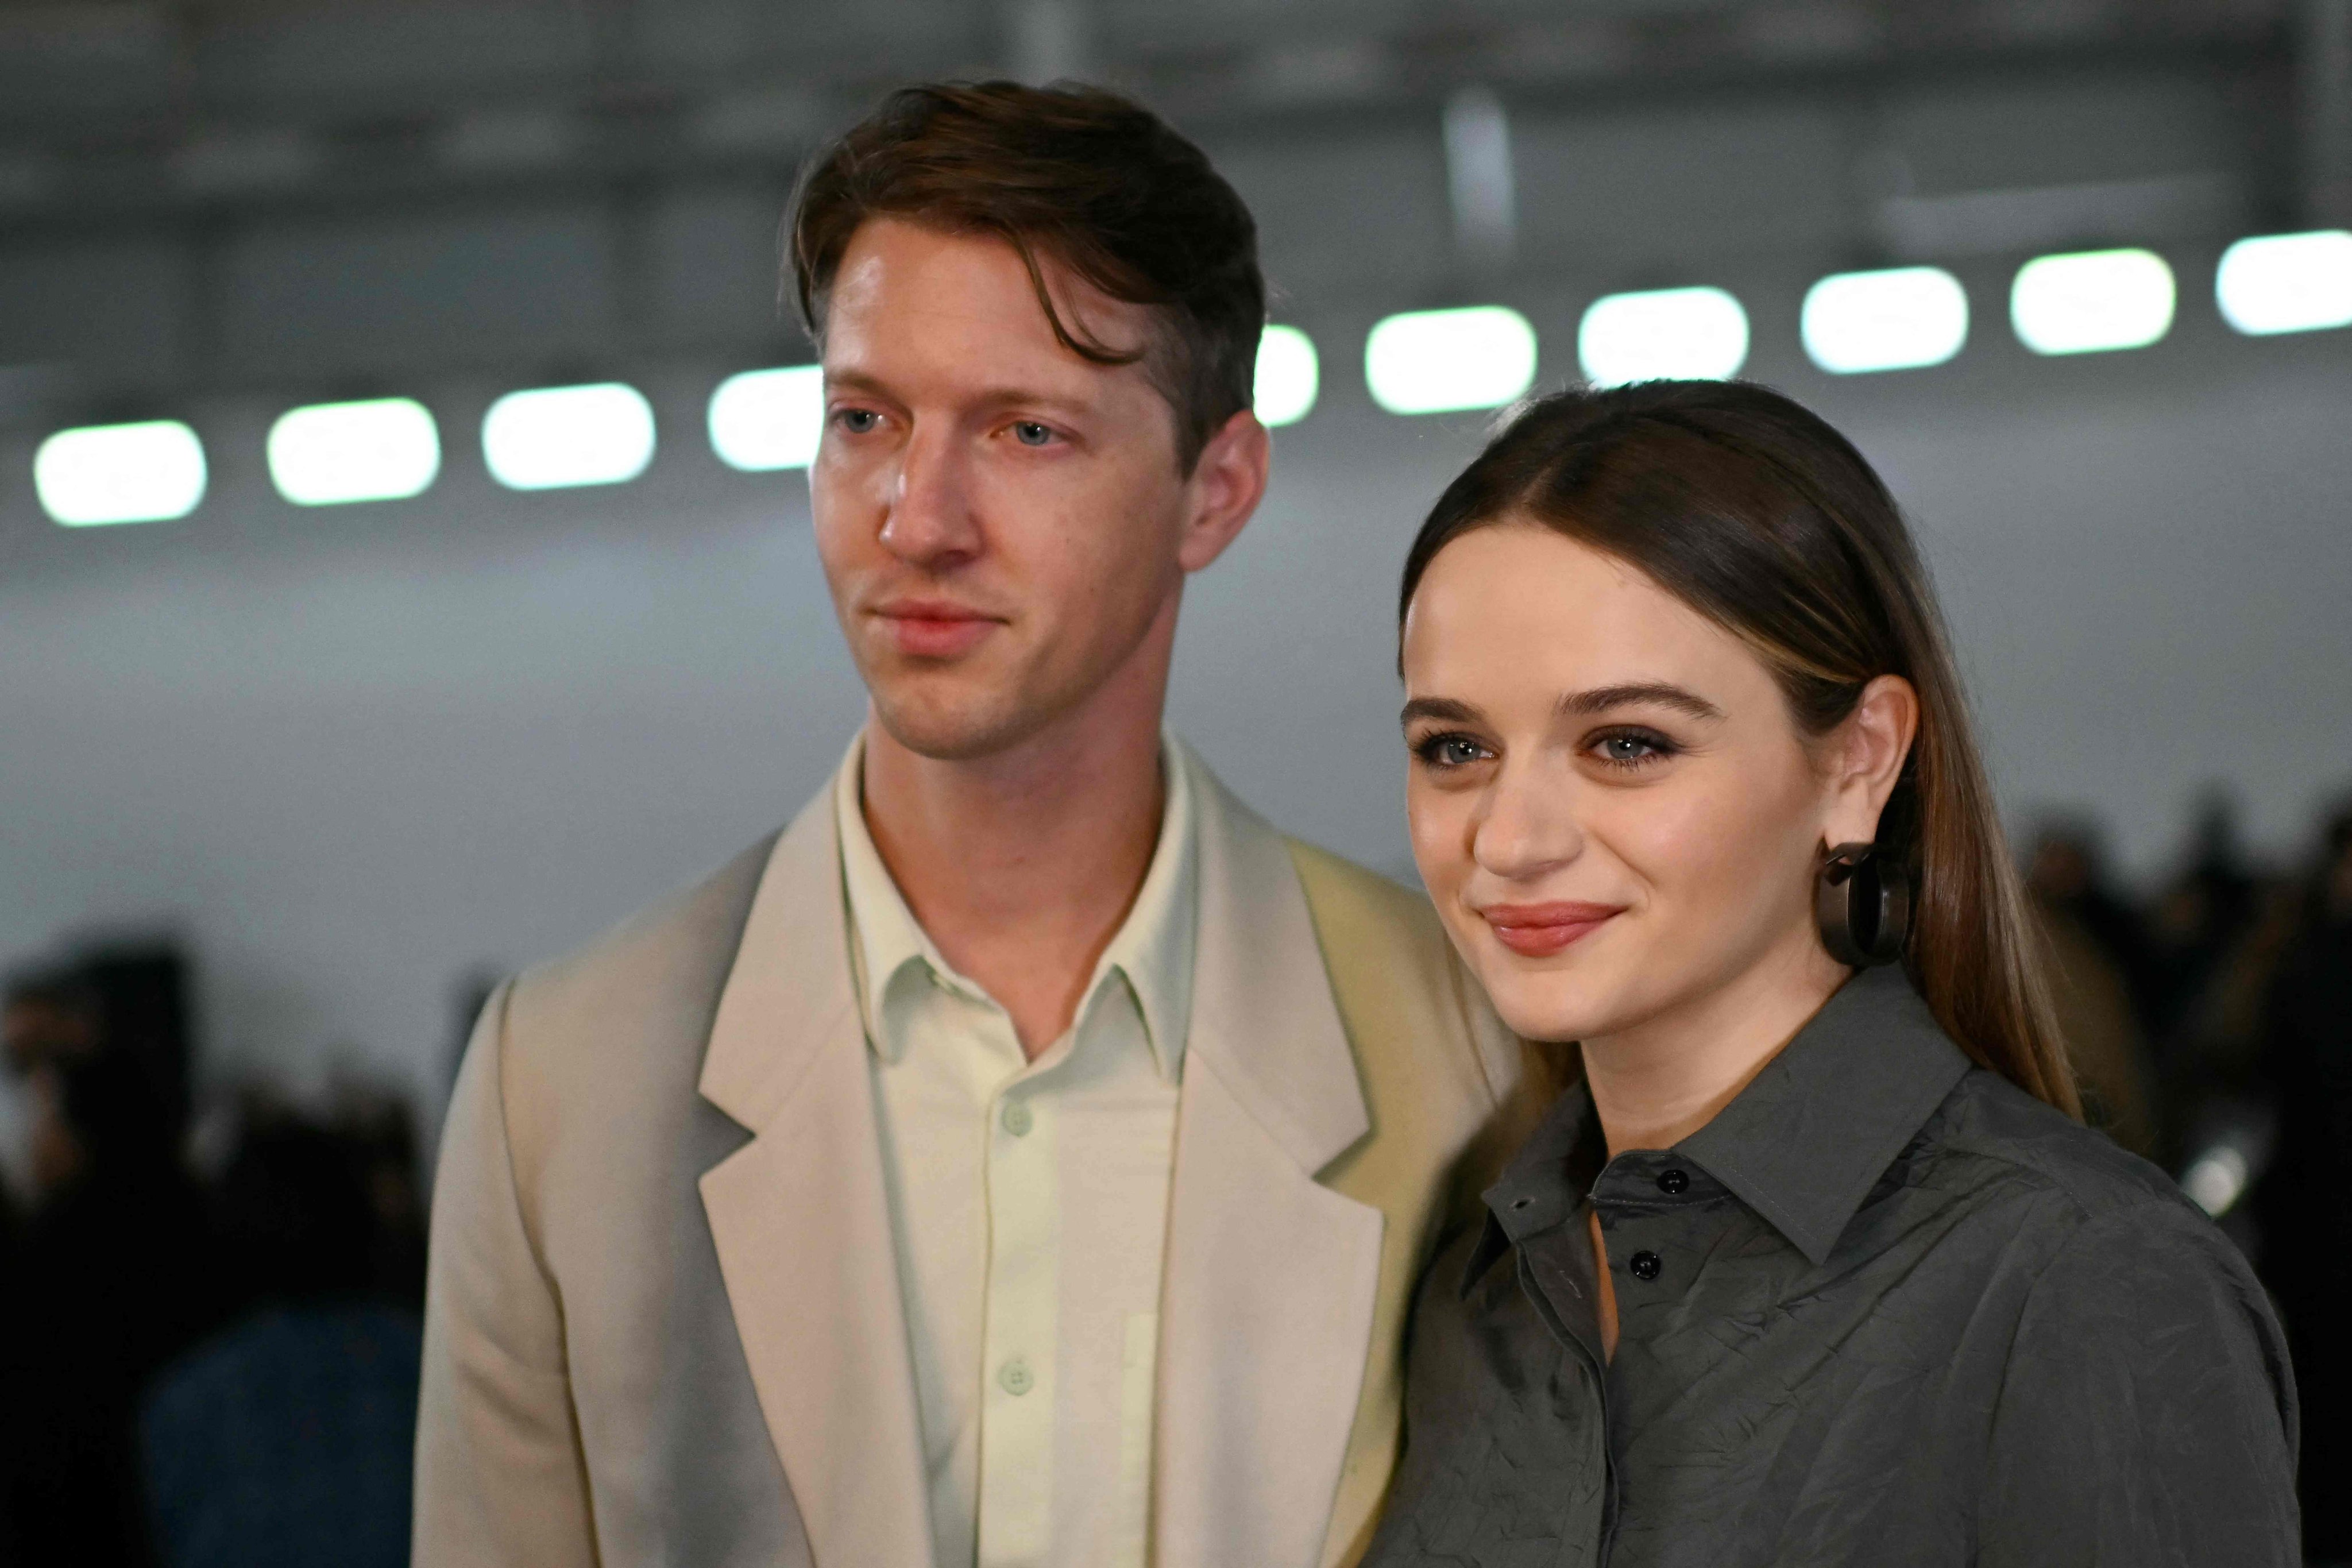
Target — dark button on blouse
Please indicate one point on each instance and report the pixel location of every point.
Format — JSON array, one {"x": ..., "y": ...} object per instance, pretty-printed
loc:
[{"x": 1914, "y": 1317}]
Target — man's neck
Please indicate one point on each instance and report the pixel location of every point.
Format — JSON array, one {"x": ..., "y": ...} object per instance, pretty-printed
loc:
[{"x": 1022, "y": 866}]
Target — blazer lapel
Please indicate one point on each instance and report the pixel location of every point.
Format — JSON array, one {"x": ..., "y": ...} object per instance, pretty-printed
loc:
[
  {"x": 801, "y": 1221},
  {"x": 1271, "y": 1277}
]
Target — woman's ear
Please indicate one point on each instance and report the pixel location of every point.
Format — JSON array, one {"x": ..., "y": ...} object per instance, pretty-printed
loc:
[{"x": 1866, "y": 757}]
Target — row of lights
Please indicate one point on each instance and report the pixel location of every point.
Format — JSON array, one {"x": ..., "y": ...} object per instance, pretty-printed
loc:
[{"x": 1423, "y": 361}]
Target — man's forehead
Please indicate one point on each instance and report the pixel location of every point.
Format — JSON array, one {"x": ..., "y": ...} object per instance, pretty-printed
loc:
[{"x": 896, "y": 274}]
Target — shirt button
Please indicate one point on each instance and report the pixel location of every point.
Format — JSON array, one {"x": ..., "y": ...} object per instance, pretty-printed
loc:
[
  {"x": 1645, "y": 1265},
  {"x": 1018, "y": 1119},
  {"x": 1015, "y": 1378},
  {"x": 1674, "y": 1184}
]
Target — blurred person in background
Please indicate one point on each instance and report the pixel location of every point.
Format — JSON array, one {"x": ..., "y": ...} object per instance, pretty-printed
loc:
[
  {"x": 1029, "y": 1154},
  {"x": 2090, "y": 949},
  {"x": 2068, "y": 872},
  {"x": 1817, "y": 1267},
  {"x": 2304, "y": 1201},
  {"x": 286, "y": 1439},
  {"x": 2197, "y": 920},
  {"x": 111, "y": 1276}
]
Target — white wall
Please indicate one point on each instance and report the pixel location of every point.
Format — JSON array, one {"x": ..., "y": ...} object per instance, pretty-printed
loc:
[{"x": 353, "y": 753}]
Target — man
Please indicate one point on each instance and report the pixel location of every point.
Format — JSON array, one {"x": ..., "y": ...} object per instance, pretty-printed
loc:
[{"x": 1025, "y": 1157}]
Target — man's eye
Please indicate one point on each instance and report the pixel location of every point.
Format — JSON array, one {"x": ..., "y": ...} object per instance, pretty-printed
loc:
[
  {"x": 858, "y": 421},
  {"x": 1029, "y": 433}
]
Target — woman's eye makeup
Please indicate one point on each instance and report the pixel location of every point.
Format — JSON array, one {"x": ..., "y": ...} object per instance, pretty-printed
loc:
[
  {"x": 1630, "y": 748},
  {"x": 1449, "y": 749}
]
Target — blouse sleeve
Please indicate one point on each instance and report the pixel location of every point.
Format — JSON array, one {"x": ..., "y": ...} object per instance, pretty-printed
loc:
[{"x": 2147, "y": 1418}]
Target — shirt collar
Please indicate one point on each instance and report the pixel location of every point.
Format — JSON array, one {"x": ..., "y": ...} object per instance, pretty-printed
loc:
[
  {"x": 1803, "y": 1143},
  {"x": 1152, "y": 953}
]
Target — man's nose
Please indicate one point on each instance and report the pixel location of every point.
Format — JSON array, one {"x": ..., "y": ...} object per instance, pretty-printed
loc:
[{"x": 930, "y": 521}]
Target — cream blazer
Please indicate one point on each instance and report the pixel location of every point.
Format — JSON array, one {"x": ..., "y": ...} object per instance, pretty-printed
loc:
[{"x": 663, "y": 1324}]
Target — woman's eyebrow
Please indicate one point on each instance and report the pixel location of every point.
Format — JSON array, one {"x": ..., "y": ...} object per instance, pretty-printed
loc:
[
  {"x": 1601, "y": 699},
  {"x": 1444, "y": 709}
]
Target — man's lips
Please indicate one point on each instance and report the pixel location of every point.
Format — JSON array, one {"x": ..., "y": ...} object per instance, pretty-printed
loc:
[
  {"x": 1538, "y": 931},
  {"x": 934, "y": 628}
]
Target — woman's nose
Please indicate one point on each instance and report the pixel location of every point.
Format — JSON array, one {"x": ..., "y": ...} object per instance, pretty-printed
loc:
[{"x": 1529, "y": 826}]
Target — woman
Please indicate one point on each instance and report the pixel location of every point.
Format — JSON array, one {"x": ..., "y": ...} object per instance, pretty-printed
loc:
[{"x": 1817, "y": 1263}]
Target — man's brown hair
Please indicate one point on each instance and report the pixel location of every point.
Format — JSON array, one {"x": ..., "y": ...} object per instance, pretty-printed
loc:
[{"x": 1096, "y": 183}]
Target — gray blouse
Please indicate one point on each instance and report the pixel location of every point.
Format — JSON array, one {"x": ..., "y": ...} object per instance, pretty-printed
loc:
[{"x": 1886, "y": 1309}]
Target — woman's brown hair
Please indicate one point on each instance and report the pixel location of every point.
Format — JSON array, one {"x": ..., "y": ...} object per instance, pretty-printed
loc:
[{"x": 1756, "y": 514}]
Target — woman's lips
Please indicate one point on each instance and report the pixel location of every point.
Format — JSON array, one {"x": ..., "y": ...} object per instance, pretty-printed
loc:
[
  {"x": 929, "y": 629},
  {"x": 1538, "y": 931}
]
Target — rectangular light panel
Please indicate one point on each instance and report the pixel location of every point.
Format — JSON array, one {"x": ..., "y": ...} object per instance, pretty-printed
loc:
[
  {"x": 152, "y": 471},
  {"x": 1435, "y": 361},
  {"x": 329, "y": 453},
  {"x": 554, "y": 436},
  {"x": 1288, "y": 375},
  {"x": 2091, "y": 302},
  {"x": 2286, "y": 283},
  {"x": 1663, "y": 334},
  {"x": 763, "y": 420},
  {"x": 1899, "y": 318}
]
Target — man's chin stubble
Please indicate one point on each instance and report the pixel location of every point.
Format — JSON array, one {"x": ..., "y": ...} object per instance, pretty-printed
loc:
[{"x": 956, "y": 732}]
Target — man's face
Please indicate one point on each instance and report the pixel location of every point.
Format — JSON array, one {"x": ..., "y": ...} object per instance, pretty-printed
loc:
[{"x": 1002, "y": 523}]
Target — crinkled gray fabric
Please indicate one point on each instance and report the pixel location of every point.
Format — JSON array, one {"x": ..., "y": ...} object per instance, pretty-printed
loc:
[{"x": 1885, "y": 1309}]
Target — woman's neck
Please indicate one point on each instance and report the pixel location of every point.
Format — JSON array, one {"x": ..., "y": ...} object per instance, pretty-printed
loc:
[{"x": 1658, "y": 1081}]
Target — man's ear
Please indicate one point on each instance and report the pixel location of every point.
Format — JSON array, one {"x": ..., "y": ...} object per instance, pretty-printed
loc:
[
  {"x": 1223, "y": 490},
  {"x": 1867, "y": 756}
]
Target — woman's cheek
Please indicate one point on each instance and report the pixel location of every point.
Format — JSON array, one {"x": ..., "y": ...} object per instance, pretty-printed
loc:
[{"x": 1440, "y": 821}]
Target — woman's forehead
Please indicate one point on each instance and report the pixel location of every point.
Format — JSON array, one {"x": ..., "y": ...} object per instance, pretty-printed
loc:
[{"x": 1523, "y": 600}]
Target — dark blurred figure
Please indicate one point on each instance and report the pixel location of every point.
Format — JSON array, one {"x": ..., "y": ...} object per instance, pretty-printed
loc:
[
  {"x": 109, "y": 1279},
  {"x": 2096, "y": 955},
  {"x": 286, "y": 1439},
  {"x": 142, "y": 992},
  {"x": 2198, "y": 919},
  {"x": 381, "y": 1136},
  {"x": 2305, "y": 1200},
  {"x": 2067, "y": 873}
]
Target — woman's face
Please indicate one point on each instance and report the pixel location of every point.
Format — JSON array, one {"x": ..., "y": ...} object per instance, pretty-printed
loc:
[{"x": 1612, "y": 804}]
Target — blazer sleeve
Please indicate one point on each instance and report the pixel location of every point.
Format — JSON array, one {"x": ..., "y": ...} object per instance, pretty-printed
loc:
[
  {"x": 500, "y": 1474},
  {"x": 2148, "y": 1416}
]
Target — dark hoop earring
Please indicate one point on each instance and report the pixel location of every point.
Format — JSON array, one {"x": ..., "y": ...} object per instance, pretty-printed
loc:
[{"x": 1862, "y": 904}]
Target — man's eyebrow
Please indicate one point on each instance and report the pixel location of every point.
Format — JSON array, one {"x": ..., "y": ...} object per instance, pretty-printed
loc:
[
  {"x": 995, "y": 396},
  {"x": 1444, "y": 709},
  {"x": 857, "y": 380},
  {"x": 1031, "y": 397},
  {"x": 1655, "y": 693}
]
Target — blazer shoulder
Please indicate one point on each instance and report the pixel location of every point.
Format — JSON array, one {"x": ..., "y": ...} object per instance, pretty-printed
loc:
[
  {"x": 1353, "y": 903},
  {"x": 628, "y": 1016},
  {"x": 1411, "y": 1010}
]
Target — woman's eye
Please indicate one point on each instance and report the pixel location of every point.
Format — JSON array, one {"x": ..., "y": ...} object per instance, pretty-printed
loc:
[
  {"x": 1029, "y": 433},
  {"x": 858, "y": 421},
  {"x": 1631, "y": 749},
  {"x": 1450, "y": 751}
]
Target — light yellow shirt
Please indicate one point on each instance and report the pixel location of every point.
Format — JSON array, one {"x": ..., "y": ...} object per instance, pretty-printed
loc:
[{"x": 1028, "y": 1209}]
